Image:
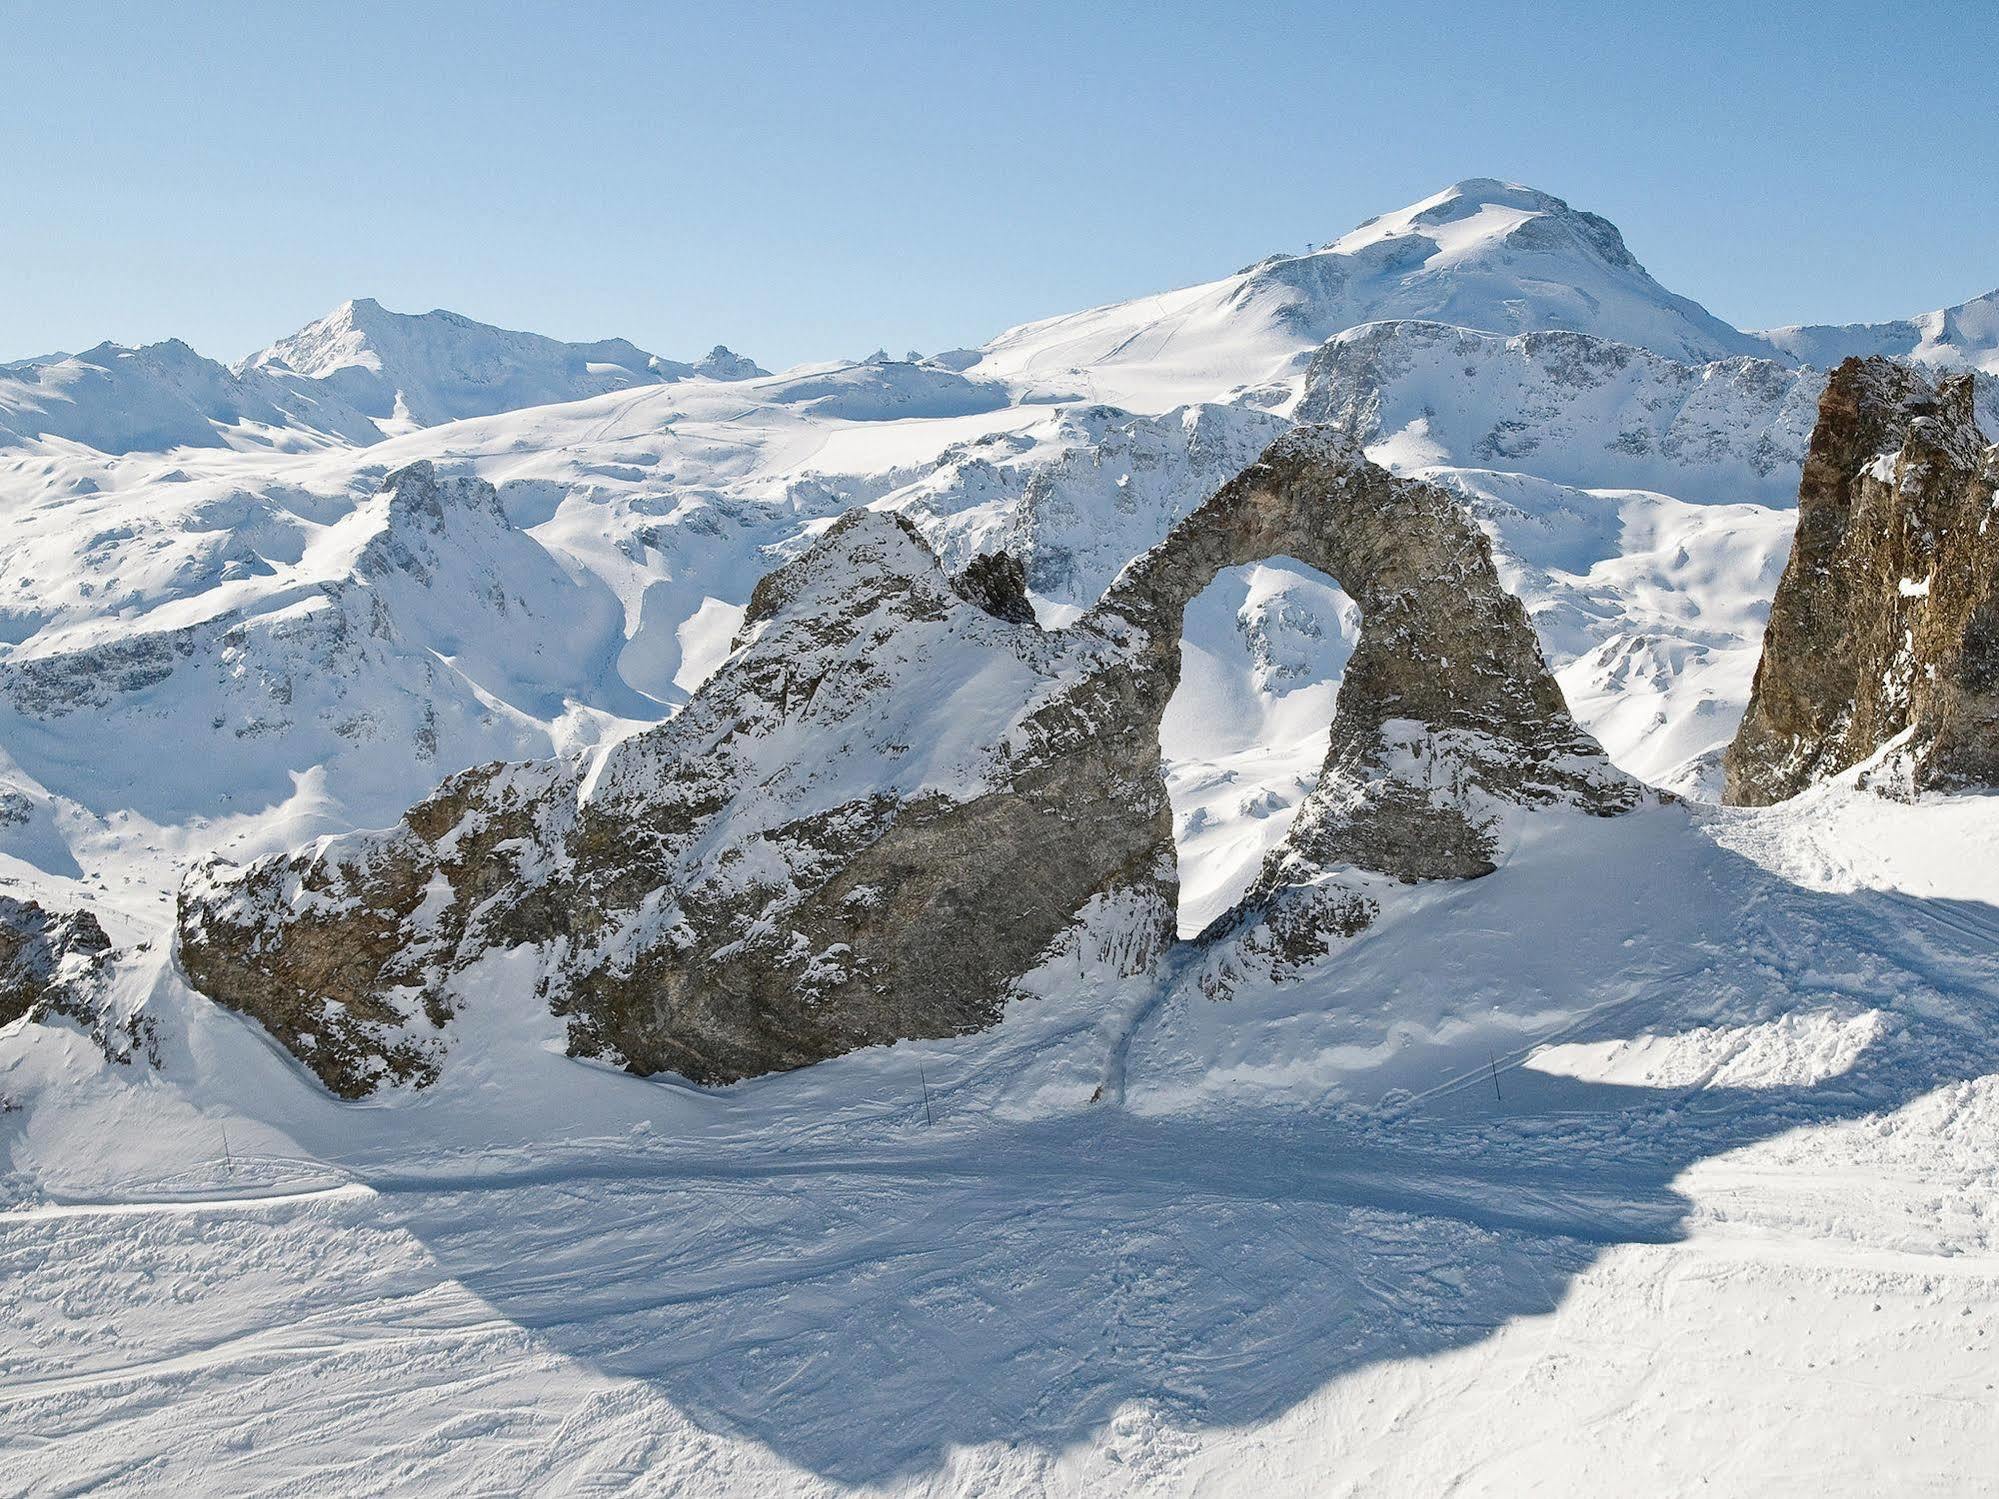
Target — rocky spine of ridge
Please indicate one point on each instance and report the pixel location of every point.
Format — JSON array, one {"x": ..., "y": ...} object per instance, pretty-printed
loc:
[
  {"x": 900, "y": 796},
  {"x": 55, "y": 968},
  {"x": 43, "y": 953},
  {"x": 1884, "y": 633}
]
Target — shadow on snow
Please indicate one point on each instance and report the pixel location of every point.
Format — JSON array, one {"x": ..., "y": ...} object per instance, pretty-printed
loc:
[{"x": 862, "y": 1313}]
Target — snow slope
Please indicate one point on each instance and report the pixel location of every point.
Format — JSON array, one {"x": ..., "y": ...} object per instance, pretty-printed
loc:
[{"x": 1610, "y": 1209}]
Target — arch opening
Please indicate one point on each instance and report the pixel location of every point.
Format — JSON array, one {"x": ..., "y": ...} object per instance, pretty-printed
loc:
[{"x": 1263, "y": 649}]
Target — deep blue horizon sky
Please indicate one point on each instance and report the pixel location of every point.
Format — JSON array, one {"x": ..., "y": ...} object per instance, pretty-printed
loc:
[{"x": 808, "y": 181}]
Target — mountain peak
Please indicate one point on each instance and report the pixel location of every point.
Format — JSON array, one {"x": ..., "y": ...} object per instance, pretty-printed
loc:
[
  {"x": 1480, "y": 212},
  {"x": 424, "y": 368},
  {"x": 724, "y": 363},
  {"x": 1484, "y": 254}
]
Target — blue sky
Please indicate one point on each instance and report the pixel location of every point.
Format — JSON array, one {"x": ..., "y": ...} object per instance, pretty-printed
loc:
[{"x": 808, "y": 181}]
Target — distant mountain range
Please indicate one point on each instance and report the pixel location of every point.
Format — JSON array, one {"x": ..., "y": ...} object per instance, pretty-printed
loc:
[
  {"x": 1489, "y": 256},
  {"x": 357, "y": 375}
]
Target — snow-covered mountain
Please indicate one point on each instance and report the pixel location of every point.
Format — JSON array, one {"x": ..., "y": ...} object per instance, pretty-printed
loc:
[
  {"x": 162, "y": 396},
  {"x": 1571, "y": 407},
  {"x": 1427, "y": 1195},
  {"x": 354, "y": 376},
  {"x": 1488, "y": 255},
  {"x": 423, "y": 369},
  {"x": 671, "y": 494},
  {"x": 1623, "y": 430}
]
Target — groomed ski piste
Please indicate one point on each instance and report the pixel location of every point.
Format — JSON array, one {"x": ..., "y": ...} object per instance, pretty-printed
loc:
[{"x": 1665, "y": 1159}]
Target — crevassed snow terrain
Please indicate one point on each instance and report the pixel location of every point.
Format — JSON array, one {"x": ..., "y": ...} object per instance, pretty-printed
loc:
[{"x": 1660, "y": 1159}]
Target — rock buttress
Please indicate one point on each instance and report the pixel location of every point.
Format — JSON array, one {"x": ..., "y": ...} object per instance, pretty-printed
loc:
[{"x": 1885, "y": 625}]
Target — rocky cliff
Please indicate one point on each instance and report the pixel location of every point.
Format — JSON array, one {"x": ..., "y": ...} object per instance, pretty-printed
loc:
[
  {"x": 43, "y": 953},
  {"x": 900, "y": 794},
  {"x": 1885, "y": 628}
]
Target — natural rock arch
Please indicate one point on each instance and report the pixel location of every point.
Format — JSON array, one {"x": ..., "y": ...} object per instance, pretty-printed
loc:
[
  {"x": 1443, "y": 648},
  {"x": 1262, "y": 651},
  {"x": 900, "y": 796}
]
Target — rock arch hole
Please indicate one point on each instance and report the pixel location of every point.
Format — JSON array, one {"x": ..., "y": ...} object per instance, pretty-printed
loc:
[{"x": 1262, "y": 651}]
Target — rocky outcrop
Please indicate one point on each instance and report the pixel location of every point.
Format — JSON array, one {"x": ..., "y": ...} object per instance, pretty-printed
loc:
[
  {"x": 1885, "y": 628},
  {"x": 724, "y": 363},
  {"x": 1447, "y": 716},
  {"x": 997, "y": 583},
  {"x": 900, "y": 795},
  {"x": 43, "y": 954}
]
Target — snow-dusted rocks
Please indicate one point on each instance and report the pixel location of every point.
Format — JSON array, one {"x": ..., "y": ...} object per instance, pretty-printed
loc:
[
  {"x": 1447, "y": 717},
  {"x": 1083, "y": 491},
  {"x": 1571, "y": 407},
  {"x": 55, "y": 967},
  {"x": 43, "y": 956},
  {"x": 901, "y": 794},
  {"x": 1885, "y": 628},
  {"x": 875, "y": 816}
]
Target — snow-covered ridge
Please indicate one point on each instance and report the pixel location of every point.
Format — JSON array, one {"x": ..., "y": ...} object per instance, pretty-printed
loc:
[
  {"x": 433, "y": 367},
  {"x": 1571, "y": 407},
  {"x": 1951, "y": 338},
  {"x": 351, "y": 378},
  {"x": 120, "y": 400}
]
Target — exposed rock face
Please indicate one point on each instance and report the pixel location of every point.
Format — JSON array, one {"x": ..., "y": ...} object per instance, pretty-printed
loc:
[
  {"x": 48, "y": 961},
  {"x": 997, "y": 583},
  {"x": 1886, "y": 622},
  {"x": 1447, "y": 715},
  {"x": 900, "y": 794}
]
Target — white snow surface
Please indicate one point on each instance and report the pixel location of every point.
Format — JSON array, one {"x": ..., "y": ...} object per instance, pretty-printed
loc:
[
  {"x": 1482, "y": 254},
  {"x": 1964, "y": 337},
  {"x": 353, "y": 376},
  {"x": 1659, "y": 1161}
]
